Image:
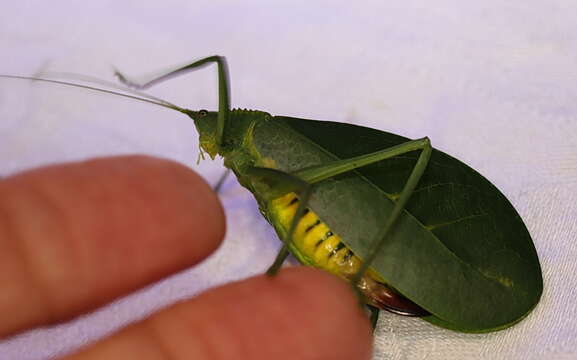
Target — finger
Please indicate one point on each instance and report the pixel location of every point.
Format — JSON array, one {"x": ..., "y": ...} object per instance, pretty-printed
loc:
[
  {"x": 301, "y": 313},
  {"x": 75, "y": 236}
]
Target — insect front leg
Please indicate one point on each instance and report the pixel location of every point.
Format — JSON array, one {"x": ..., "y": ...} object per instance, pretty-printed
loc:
[{"x": 223, "y": 86}]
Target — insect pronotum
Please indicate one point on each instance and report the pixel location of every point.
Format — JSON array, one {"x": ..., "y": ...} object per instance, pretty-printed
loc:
[{"x": 416, "y": 231}]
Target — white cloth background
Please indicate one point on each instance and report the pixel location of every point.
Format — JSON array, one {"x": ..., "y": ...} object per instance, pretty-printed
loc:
[{"x": 492, "y": 83}]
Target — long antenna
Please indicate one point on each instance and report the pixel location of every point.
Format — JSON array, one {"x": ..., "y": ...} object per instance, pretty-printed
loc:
[
  {"x": 97, "y": 81},
  {"x": 137, "y": 95}
]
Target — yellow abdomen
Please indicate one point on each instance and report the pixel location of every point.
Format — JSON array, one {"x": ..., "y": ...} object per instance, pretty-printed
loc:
[
  {"x": 318, "y": 246},
  {"x": 314, "y": 240}
]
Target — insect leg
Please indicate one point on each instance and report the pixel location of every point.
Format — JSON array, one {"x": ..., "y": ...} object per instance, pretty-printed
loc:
[
  {"x": 318, "y": 173},
  {"x": 304, "y": 195},
  {"x": 221, "y": 181},
  {"x": 274, "y": 183},
  {"x": 279, "y": 260},
  {"x": 397, "y": 209},
  {"x": 302, "y": 180},
  {"x": 374, "y": 317},
  {"x": 223, "y": 86}
]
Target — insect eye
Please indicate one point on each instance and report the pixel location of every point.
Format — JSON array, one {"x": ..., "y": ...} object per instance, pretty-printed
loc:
[{"x": 203, "y": 113}]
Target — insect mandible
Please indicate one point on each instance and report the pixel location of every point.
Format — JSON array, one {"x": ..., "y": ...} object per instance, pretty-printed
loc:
[{"x": 416, "y": 231}]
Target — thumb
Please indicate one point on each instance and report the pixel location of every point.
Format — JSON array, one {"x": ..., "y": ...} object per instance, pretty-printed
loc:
[{"x": 301, "y": 313}]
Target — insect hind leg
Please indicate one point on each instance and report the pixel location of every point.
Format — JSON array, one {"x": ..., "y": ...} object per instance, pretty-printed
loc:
[
  {"x": 321, "y": 172},
  {"x": 374, "y": 315},
  {"x": 412, "y": 181}
]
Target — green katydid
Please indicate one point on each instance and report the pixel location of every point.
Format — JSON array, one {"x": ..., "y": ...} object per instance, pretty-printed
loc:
[{"x": 416, "y": 231}]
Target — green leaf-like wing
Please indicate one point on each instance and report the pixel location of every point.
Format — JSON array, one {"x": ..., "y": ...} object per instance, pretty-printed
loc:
[{"x": 460, "y": 250}]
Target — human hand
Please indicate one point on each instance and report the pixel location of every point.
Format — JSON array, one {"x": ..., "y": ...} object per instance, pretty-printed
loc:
[{"x": 76, "y": 236}]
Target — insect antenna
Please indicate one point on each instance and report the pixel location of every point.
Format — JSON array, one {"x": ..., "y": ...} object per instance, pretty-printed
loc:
[
  {"x": 123, "y": 91},
  {"x": 102, "y": 82}
]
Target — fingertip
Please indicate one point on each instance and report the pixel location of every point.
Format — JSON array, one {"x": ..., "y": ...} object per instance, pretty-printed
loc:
[
  {"x": 199, "y": 206},
  {"x": 302, "y": 313},
  {"x": 80, "y": 234},
  {"x": 340, "y": 326}
]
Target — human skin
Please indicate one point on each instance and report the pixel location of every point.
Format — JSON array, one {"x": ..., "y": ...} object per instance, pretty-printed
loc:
[{"x": 76, "y": 236}]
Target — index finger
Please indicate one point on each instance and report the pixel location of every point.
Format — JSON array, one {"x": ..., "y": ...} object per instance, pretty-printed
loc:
[{"x": 75, "y": 236}]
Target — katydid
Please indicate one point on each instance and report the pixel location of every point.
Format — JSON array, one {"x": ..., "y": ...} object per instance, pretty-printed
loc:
[{"x": 416, "y": 231}]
